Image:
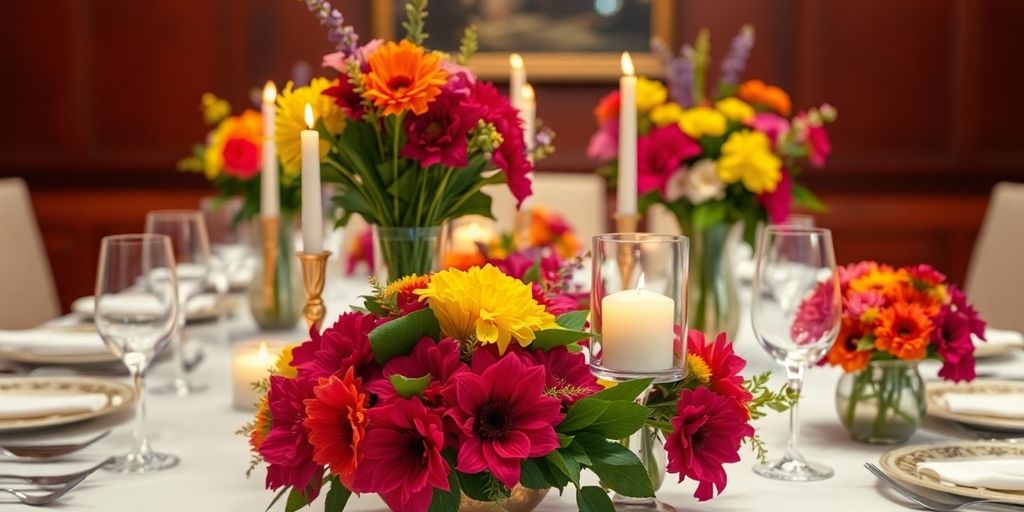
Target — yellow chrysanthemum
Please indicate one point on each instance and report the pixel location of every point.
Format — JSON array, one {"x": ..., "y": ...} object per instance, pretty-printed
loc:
[
  {"x": 664, "y": 115},
  {"x": 283, "y": 366},
  {"x": 698, "y": 368},
  {"x": 702, "y": 121},
  {"x": 735, "y": 109},
  {"x": 291, "y": 120},
  {"x": 487, "y": 305},
  {"x": 649, "y": 94},
  {"x": 747, "y": 157},
  {"x": 248, "y": 125}
]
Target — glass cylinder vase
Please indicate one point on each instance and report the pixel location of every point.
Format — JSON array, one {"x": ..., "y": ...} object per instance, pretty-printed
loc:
[
  {"x": 276, "y": 295},
  {"x": 714, "y": 302},
  {"x": 884, "y": 403},
  {"x": 403, "y": 251}
]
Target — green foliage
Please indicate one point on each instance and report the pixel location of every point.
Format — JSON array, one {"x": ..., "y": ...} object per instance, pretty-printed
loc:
[
  {"x": 398, "y": 336},
  {"x": 415, "y": 13},
  {"x": 628, "y": 390},
  {"x": 575, "y": 320},
  {"x": 593, "y": 499},
  {"x": 551, "y": 338},
  {"x": 296, "y": 500},
  {"x": 804, "y": 198},
  {"x": 337, "y": 496},
  {"x": 764, "y": 397},
  {"x": 482, "y": 487},
  {"x": 410, "y": 387},
  {"x": 447, "y": 501},
  {"x": 468, "y": 45}
]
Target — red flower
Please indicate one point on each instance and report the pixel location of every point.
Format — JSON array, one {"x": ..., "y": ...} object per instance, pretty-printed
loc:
[
  {"x": 706, "y": 434},
  {"x": 336, "y": 420},
  {"x": 510, "y": 157},
  {"x": 659, "y": 154},
  {"x": 286, "y": 448},
  {"x": 346, "y": 97},
  {"x": 439, "y": 359},
  {"x": 504, "y": 417},
  {"x": 778, "y": 202},
  {"x": 439, "y": 135},
  {"x": 344, "y": 345},
  {"x": 567, "y": 374},
  {"x": 241, "y": 158},
  {"x": 818, "y": 145},
  {"x": 959, "y": 303},
  {"x": 403, "y": 461},
  {"x": 926, "y": 273},
  {"x": 724, "y": 364},
  {"x": 952, "y": 337}
]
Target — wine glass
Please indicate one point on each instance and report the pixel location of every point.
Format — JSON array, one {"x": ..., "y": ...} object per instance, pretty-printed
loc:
[
  {"x": 191, "y": 248},
  {"x": 796, "y": 315},
  {"x": 136, "y": 310},
  {"x": 231, "y": 244}
]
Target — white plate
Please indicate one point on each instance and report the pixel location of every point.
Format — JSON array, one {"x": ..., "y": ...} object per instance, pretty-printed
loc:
[
  {"x": 901, "y": 464},
  {"x": 937, "y": 406},
  {"x": 202, "y": 308},
  {"x": 120, "y": 396}
]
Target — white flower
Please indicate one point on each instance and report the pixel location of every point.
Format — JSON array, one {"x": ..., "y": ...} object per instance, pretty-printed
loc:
[
  {"x": 675, "y": 187},
  {"x": 702, "y": 182}
]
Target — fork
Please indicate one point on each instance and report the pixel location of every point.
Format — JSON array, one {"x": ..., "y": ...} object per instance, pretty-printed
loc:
[
  {"x": 928, "y": 503},
  {"x": 45, "y": 499},
  {"x": 47, "y": 480},
  {"x": 44, "y": 451}
]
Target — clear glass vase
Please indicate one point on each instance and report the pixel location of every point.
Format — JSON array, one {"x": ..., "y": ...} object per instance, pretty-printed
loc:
[
  {"x": 883, "y": 403},
  {"x": 403, "y": 251},
  {"x": 277, "y": 307},
  {"x": 648, "y": 444},
  {"x": 714, "y": 303}
]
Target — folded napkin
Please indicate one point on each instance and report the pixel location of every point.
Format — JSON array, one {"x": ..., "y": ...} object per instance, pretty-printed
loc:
[
  {"x": 1002, "y": 405},
  {"x": 53, "y": 341},
  {"x": 14, "y": 405},
  {"x": 1002, "y": 474},
  {"x": 999, "y": 337}
]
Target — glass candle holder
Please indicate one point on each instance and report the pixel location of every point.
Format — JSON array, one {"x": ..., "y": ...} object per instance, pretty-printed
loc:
[{"x": 638, "y": 306}]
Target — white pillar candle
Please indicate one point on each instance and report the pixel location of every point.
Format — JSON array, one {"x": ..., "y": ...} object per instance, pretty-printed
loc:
[
  {"x": 269, "y": 200},
  {"x": 250, "y": 362},
  {"x": 637, "y": 331},
  {"x": 312, "y": 194},
  {"x": 627, "y": 138},
  {"x": 465, "y": 237},
  {"x": 528, "y": 113},
  {"x": 516, "y": 80}
]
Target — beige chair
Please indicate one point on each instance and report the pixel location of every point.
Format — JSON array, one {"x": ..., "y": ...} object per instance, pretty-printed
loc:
[
  {"x": 28, "y": 296},
  {"x": 580, "y": 198},
  {"x": 995, "y": 279}
]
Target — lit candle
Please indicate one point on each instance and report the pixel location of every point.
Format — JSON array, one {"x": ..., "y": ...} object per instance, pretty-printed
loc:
[
  {"x": 466, "y": 237},
  {"x": 637, "y": 330},
  {"x": 528, "y": 113},
  {"x": 312, "y": 195},
  {"x": 269, "y": 200},
  {"x": 627, "y": 138},
  {"x": 516, "y": 80},
  {"x": 250, "y": 362}
]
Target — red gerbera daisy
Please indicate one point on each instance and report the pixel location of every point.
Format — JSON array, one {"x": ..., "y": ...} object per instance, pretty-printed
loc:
[
  {"x": 336, "y": 420},
  {"x": 286, "y": 448},
  {"x": 344, "y": 345},
  {"x": 724, "y": 365}
]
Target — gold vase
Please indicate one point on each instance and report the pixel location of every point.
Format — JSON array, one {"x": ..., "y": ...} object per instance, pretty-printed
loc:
[{"x": 522, "y": 499}]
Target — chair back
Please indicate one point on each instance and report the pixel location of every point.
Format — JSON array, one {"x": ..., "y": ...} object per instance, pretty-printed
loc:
[
  {"x": 995, "y": 277},
  {"x": 28, "y": 296}
]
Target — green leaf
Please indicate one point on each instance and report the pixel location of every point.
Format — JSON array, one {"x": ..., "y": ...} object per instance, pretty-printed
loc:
[
  {"x": 620, "y": 420},
  {"x": 480, "y": 486},
  {"x": 276, "y": 498},
  {"x": 566, "y": 465},
  {"x": 564, "y": 440},
  {"x": 573, "y": 320},
  {"x": 593, "y": 499},
  {"x": 866, "y": 343},
  {"x": 551, "y": 338},
  {"x": 337, "y": 497},
  {"x": 532, "y": 476},
  {"x": 709, "y": 214},
  {"x": 446, "y": 501},
  {"x": 583, "y": 414},
  {"x": 410, "y": 387},
  {"x": 398, "y": 336},
  {"x": 628, "y": 390},
  {"x": 532, "y": 274},
  {"x": 577, "y": 452},
  {"x": 603, "y": 451},
  {"x": 478, "y": 203},
  {"x": 371, "y": 305},
  {"x": 628, "y": 480},
  {"x": 296, "y": 500},
  {"x": 803, "y": 196}
]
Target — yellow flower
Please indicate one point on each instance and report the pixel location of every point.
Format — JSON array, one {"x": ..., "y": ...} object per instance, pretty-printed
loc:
[
  {"x": 735, "y": 109},
  {"x": 486, "y": 305},
  {"x": 283, "y": 366},
  {"x": 291, "y": 120},
  {"x": 698, "y": 368},
  {"x": 214, "y": 109},
  {"x": 747, "y": 157},
  {"x": 649, "y": 94},
  {"x": 664, "y": 115},
  {"x": 700, "y": 121}
]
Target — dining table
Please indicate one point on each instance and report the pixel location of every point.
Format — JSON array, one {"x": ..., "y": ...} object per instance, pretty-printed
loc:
[{"x": 211, "y": 477}]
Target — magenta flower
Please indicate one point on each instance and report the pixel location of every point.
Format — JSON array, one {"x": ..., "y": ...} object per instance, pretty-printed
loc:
[
  {"x": 504, "y": 417},
  {"x": 818, "y": 144},
  {"x": 659, "y": 154},
  {"x": 959, "y": 303},
  {"x": 852, "y": 271},
  {"x": 402, "y": 455},
  {"x": 439, "y": 359},
  {"x": 926, "y": 273},
  {"x": 286, "y": 448},
  {"x": 954, "y": 345},
  {"x": 604, "y": 144},
  {"x": 555, "y": 303},
  {"x": 439, "y": 135},
  {"x": 778, "y": 202},
  {"x": 346, "y": 97},
  {"x": 460, "y": 80},
  {"x": 723, "y": 362},
  {"x": 567, "y": 375},
  {"x": 774, "y": 126},
  {"x": 857, "y": 303},
  {"x": 510, "y": 157},
  {"x": 344, "y": 345},
  {"x": 816, "y": 315},
  {"x": 706, "y": 434}
]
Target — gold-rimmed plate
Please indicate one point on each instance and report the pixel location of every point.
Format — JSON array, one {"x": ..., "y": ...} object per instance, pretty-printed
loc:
[
  {"x": 901, "y": 464},
  {"x": 119, "y": 397},
  {"x": 937, "y": 405}
]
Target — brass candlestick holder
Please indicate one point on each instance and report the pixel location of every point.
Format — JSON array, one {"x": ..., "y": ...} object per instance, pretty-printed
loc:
[
  {"x": 314, "y": 270},
  {"x": 269, "y": 227},
  {"x": 626, "y": 223}
]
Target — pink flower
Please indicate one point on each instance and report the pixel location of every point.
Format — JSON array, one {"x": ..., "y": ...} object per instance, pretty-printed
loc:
[
  {"x": 460, "y": 80},
  {"x": 778, "y": 202},
  {"x": 659, "y": 154},
  {"x": 510, "y": 157},
  {"x": 567, "y": 374},
  {"x": 852, "y": 271},
  {"x": 402, "y": 455},
  {"x": 504, "y": 417},
  {"x": 361, "y": 251},
  {"x": 816, "y": 315},
  {"x": 286, "y": 448},
  {"x": 604, "y": 144},
  {"x": 772, "y": 125},
  {"x": 706, "y": 434},
  {"x": 857, "y": 303},
  {"x": 954, "y": 345},
  {"x": 439, "y": 135},
  {"x": 344, "y": 345},
  {"x": 555, "y": 303},
  {"x": 439, "y": 359},
  {"x": 926, "y": 273},
  {"x": 818, "y": 144},
  {"x": 724, "y": 364}
]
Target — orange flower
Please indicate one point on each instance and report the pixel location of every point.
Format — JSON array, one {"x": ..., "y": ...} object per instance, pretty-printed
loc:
[
  {"x": 403, "y": 76},
  {"x": 881, "y": 280},
  {"x": 608, "y": 108},
  {"x": 844, "y": 352},
  {"x": 903, "y": 330},
  {"x": 261, "y": 424},
  {"x": 770, "y": 96},
  {"x": 464, "y": 260},
  {"x": 929, "y": 301},
  {"x": 336, "y": 420}
]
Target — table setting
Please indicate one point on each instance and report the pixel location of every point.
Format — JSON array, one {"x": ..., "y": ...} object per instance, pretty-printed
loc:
[{"x": 224, "y": 362}]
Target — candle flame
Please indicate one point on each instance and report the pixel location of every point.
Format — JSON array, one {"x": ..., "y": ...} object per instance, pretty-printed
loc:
[
  {"x": 527, "y": 93},
  {"x": 516, "y": 61},
  {"x": 263, "y": 353},
  {"x": 640, "y": 282},
  {"x": 627, "y": 65},
  {"x": 309, "y": 116},
  {"x": 269, "y": 92}
]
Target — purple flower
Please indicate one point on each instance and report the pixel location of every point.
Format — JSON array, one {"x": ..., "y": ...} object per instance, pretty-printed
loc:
[
  {"x": 343, "y": 35},
  {"x": 736, "y": 60},
  {"x": 678, "y": 72}
]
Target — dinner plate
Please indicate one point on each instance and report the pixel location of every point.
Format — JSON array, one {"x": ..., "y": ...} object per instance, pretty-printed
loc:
[
  {"x": 202, "y": 308},
  {"x": 901, "y": 464},
  {"x": 937, "y": 406},
  {"x": 120, "y": 396}
]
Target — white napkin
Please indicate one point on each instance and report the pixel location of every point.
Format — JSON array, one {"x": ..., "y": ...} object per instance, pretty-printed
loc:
[
  {"x": 1002, "y": 405},
  {"x": 13, "y": 406},
  {"x": 999, "y": 337},
  {"x": 1002, "y": 474},
  {"x": 53, "y": 341},
  {"x": 200, "y": 306}
]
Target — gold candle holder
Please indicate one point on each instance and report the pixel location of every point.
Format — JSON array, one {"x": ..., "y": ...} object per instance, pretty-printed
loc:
[
  {"x": 269, "y": 227},
  {"x": 314, "y": 270},
  {"x": 626, "y": 223}
]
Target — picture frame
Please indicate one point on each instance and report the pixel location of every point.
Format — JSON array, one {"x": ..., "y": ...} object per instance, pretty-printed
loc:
[{"x": 549, "y": 66}]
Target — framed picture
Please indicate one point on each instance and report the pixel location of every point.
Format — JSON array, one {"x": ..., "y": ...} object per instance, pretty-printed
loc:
[{"x": 560, "y": 40}]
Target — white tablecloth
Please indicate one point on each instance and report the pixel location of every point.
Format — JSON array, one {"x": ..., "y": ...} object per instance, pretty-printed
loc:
[{"x": 200, "y": 429}]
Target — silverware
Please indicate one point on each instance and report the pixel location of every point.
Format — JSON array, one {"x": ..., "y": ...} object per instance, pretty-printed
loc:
[
  {"x": 44, "y": 451},
  {"x": 54, "y": 479},
  {"x": 929, "y": 503},
  {"x": 45, "y": 499}
]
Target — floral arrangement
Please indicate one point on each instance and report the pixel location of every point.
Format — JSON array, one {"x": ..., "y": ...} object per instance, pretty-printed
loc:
[
  {"x": 722, "y": 157},
  {"x": 466, "y": 384}
]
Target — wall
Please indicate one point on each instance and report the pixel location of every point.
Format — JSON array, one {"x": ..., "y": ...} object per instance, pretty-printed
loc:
[{"x": 100, "y": 98}]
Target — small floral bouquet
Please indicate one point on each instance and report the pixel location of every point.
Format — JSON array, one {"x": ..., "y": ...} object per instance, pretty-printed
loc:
[{"x": 466, "y": 385}]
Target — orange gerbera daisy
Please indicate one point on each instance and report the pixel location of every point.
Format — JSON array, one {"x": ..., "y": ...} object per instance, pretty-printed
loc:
[
  {"x": 404, "y": 76},
  {"x": 770, "y": 96},
  {"x": 844, "y": 352},
  {"x": 464, "y": 260},
  {"x": 336, "y": 420},
  {"x": 261, "y": 424},
  {"x": 904, "y": 330}
]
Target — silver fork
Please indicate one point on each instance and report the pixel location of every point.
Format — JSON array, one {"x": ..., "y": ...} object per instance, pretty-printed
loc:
[
  {"x": 928, "y": 503},
  {"x": 54, "y": 479},
  {"x": 44, "y": 451},
  {"x": 45, "y": 499}
]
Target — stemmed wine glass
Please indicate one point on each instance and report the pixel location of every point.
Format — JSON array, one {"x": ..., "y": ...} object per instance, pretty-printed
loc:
[
  {"x": 231, "y": 245},
  {"x": 796, "y": 316},
  {"x": 136, "y": 310},
  {"x": 191, "y": 248}
]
